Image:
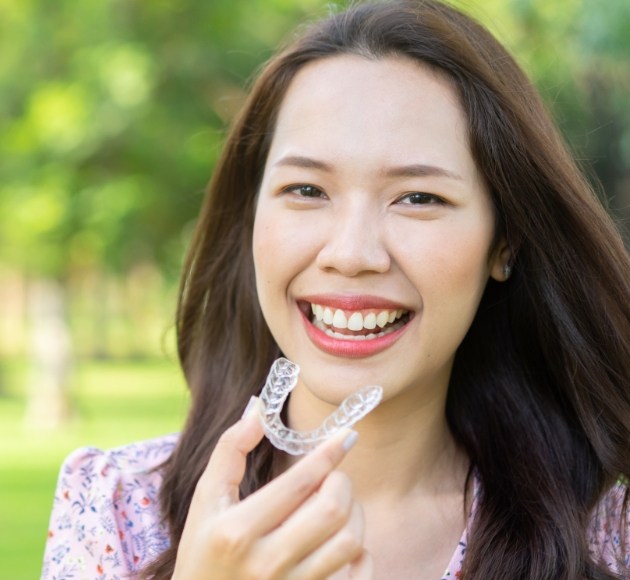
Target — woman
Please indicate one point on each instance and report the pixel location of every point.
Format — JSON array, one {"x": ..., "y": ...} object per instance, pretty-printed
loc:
[{"x": 393, "y": 159}]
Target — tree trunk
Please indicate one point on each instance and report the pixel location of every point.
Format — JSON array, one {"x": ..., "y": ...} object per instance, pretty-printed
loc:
[{"x": 48, "y": 401}]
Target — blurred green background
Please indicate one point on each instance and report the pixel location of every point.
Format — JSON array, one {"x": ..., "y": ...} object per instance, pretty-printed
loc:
[{"x": 112, "y": 114}]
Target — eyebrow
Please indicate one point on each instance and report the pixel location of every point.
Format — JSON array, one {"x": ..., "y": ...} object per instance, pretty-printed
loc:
[
  {"x": 304, "y": 163},
  {"x": 411, "y": 170}
]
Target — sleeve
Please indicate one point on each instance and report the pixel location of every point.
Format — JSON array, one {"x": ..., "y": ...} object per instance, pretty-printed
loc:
[
  {"x": 87, "y": 535},
  {"x": 609, "y": 531}
]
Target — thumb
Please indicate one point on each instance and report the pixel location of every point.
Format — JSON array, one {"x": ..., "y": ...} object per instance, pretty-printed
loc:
[{"x": 220, "y": 482}]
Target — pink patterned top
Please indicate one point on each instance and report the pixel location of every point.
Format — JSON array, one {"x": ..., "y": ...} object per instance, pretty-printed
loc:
[{"x": 106, "y": 524}]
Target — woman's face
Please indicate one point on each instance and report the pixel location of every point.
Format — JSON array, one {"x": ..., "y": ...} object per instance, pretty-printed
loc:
[{"x": 373, "y": 230}]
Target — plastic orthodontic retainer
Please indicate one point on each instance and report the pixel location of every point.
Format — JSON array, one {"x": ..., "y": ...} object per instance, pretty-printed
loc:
[{"x": 281, "y": 381}]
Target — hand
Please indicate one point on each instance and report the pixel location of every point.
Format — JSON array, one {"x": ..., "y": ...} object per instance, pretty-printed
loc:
[{"x": 303, "y": 525}]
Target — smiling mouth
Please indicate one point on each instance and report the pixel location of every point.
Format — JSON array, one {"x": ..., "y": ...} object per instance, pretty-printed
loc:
[{"x": 357, "y": 325}]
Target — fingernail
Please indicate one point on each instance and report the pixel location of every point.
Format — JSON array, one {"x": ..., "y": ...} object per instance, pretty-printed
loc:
[
  {"x": 350, "y": 440},
  {"x": 251, "y": 405}
]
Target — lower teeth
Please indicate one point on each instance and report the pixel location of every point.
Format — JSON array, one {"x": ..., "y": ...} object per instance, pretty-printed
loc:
[{"x": 370, "y": 336}]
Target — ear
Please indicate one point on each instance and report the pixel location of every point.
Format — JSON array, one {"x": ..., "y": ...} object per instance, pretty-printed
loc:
[{"x": 501, "y": 261}]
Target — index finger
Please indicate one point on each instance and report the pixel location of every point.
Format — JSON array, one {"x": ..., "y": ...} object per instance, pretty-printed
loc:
[{"x": 274, "y": 502}]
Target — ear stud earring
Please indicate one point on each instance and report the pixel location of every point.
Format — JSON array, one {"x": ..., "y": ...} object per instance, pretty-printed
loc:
[{"x": 507, "y": 270}]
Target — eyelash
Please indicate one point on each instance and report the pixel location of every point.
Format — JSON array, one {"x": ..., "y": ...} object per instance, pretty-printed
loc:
[
  {"x": 421, "y": 198},
  {"x": 427, "y": 199},
  {"x": 299, "y": 190}
]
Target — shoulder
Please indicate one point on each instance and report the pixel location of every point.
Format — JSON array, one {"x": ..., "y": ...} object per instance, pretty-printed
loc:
[
  {"x": 106, "y": 520},
  {"x": 134, "y": 459},
  {"x": 609, "y": 530}
]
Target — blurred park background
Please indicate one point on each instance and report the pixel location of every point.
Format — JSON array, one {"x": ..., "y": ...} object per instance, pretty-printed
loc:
[{"x": 112, "y": 114}]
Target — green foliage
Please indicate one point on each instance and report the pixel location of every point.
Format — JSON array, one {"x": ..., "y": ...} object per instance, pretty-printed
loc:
[
  {"x": 112, "y": 112},
  {"x": 578, "y": 53}
]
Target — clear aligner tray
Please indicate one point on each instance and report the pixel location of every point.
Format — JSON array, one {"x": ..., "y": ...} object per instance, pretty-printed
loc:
[{"x": 281, "y": 381}]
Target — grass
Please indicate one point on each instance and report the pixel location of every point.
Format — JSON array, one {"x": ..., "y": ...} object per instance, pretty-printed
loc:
[{"x": 115, "y": 403}]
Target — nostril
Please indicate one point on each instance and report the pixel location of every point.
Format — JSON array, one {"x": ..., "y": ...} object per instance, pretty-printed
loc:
[
  {"x": 354, "y": 259},
  {"x": 354, "y": 241}
]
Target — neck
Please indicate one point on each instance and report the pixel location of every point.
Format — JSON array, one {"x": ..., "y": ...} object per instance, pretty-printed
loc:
[{"x": 405, "y": 447}]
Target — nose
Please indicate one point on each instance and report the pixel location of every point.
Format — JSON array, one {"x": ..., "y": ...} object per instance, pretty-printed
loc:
[{"x": 354, "y": 243}]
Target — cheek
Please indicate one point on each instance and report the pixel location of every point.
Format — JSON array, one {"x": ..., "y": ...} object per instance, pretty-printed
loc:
[
  {"x": 264, "y": 241},
  {"x": 280, "y": 250},
  {"x": 465, "y": 260},
  {"x": 449, "y": 266},
  {"x": 448, "y": 251}
]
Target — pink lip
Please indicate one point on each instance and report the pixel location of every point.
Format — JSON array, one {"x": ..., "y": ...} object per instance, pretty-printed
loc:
[
  {"x": 350, "y": 348},
  {"x": 362, "y": 302}
]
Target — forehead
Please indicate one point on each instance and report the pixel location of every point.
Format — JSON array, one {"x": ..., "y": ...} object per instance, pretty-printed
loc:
[{"x": 389, "y": 108}]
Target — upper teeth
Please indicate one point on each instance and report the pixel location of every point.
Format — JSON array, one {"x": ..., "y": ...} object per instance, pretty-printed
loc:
[{"x": 355, "y": 320}]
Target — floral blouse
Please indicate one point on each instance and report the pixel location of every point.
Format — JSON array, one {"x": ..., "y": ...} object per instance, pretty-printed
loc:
[{"x": 106, "y": 522}]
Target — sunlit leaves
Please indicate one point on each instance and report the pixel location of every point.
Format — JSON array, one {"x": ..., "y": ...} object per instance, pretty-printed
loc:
[
  {"x": 58, "y": 117},
  {"x": 112, "y": 112}
]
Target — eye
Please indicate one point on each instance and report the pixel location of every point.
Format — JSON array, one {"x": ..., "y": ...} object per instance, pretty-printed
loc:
[
  {"x": 305, "y": 190},
  {"x": 419, "y": 198}
]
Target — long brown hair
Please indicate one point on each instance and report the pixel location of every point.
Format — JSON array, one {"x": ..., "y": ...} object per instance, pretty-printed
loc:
[{"x": 539, "y": 396}]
